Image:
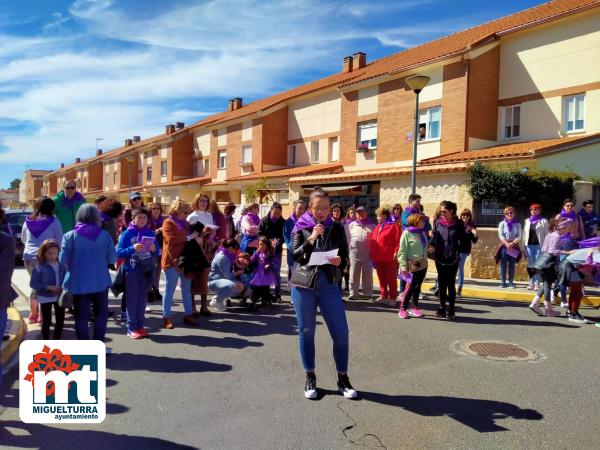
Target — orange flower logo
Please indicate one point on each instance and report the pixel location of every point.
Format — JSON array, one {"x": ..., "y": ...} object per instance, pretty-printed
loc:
[{"x": 48, "y": 360}]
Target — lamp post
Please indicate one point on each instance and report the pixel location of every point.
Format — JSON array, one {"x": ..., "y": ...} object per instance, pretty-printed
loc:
[{"x": 416, "y": 83}]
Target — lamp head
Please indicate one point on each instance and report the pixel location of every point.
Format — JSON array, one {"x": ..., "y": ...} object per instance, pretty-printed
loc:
[{"x": 417, "y": 82}]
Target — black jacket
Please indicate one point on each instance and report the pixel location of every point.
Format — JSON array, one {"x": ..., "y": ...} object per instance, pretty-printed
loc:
[
  {"x": 448, "y": 242},
  {"x": 272, "y": 230},
  {"x": 334, "y": 237},
  {"x": 193, "y": 259},
  {"x": 467, "y": 244}
]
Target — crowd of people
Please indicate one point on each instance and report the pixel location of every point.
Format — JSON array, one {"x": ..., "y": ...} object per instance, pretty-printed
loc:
[{"x": 75, "y": 252}]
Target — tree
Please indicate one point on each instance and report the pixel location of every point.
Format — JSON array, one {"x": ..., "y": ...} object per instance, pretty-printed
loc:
[
  {"x": 258, "y": 192},
  {"x": 14, "y": 184}
]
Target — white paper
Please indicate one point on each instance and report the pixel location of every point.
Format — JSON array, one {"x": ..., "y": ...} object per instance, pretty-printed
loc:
[{"x": 320, "y": 258}]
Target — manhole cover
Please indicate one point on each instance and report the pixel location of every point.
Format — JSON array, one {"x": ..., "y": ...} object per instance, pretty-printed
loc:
[{"x": 497, "y": 351}]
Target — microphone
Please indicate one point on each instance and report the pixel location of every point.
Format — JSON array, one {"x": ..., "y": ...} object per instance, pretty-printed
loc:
[{"x": 320, "y": 237}]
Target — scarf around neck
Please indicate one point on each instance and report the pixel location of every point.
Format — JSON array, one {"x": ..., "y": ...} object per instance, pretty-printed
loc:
[
  {"x": 37, "y": 226},
  {"x": 89, "y": 231},
  {"x": 253, "y": 218},
  {"x": 535, "y": 218},
  {"x": 421, "y": 234},
  {"x": 181, "y": 224},
  {"x": 568, "y": 215},
  {"x": 510, "y": 223},
  {"x": 308, "y": 222},
  {"x": 586, "y": 215},
  {"x": 138, "y": 230},
  {"x": 443, "y": 221},
  {"x": 227, "y": 254}
]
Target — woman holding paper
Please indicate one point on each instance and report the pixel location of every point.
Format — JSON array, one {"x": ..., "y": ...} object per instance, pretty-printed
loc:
[
  {"x": 412, "y": 259},
  {"x": 315, "y": 231},
  {"x": 137, "y": 246},
  {"x": 508, "y": 253}
]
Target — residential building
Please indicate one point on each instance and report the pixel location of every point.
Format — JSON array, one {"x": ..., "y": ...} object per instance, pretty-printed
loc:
[
  {"x": 9, "y": 198},
  {"x": 31, "y": 186}
]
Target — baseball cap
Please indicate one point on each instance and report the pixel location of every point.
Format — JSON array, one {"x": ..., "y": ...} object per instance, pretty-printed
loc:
[
  {"x": 360, "y": 208},
  {"x": 135, "y": 195}
]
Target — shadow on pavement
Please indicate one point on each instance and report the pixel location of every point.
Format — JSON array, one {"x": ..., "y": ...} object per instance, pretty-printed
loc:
[
  {"x": 252, "y": 325},
  {"x": 204, "y": 341},
  {"x": 15, "y": 433},
  {"x": 480, "y": 415},
  {"x": 130, "y": 361}
]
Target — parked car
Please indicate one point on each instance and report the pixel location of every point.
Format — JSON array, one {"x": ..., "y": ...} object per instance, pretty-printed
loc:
[{"x": 16, "y": 219}]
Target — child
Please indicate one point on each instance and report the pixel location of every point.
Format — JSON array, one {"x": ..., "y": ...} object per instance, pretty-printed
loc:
[
  {"x": 137, "y": 246},
  {"x": 47, "y": 278},
  {"x": 243, "y": 273},
  {"x": 263, "y": 273}
]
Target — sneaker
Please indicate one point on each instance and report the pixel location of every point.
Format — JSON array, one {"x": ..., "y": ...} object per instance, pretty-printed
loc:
[
  {"x": 33, "y": 318},
  {"x": 503, "y": 286},
  {"x": 577, "y": 318},
  {"x": 415, "y": 312},
  {"x": 536, "y": 309},
  {"x": 530, "y": 286},
  {"x": 536, "y": 286},
  {"x": 355, "y": 297},
  {"x": 148, "y": 309},
  {"x": 134, "y": 335},
  {"x": 143, "y": 332},
  {"x": 512, "y": 286},
  {"x": 219, "y": 306},
  {"x": 391, "y": 302},
  {"x": 450, "y": 315},
  {"x": 168, "y": 324},
  {"x": 598, "y": 324},
  {"x": 345, "y": 388},
  {"x": 564, "y": 305},
  {"x": 190, "y": 320},
  {"x": 403, "y": 314},
  {"x": 310, "y": 387},
  {"x": 440, "y": 313}
]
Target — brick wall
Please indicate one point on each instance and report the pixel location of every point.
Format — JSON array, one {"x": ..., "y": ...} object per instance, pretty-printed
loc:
[
  {"x": 395, "y": 120},
  {"x": 274, "y": 139},
  {"x": 349, "y": 116},
  {"x": 257, "y": 144},
  {"x": 234, "y": 150},
  {"x": 180, "y": 159},
  {"x": 482, "y": 99},
  {"x": 454, "y": 108},
  {"x": 95, "y": 174},
  {"x": 482, "y": 264},
  {"x": 214, "y": 156}
]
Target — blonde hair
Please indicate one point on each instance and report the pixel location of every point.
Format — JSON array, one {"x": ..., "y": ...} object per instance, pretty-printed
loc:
[
  {"x": 178, "y": 206},
  {"x": 414, "y": 219},
  {"x": 383, "y": 211},
  {"x": 197, "y": 198},
  {"x": 508, "y": 208}
]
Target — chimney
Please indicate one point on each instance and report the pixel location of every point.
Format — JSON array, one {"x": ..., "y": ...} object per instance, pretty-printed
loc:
[
  {"x": 136, "y": 139},
  {"x": 360, "y": 60},
  {"x": 179, "y": 125},
  {"x": 237, "y": 103},
  {"x": 169, "y": 129},
  {"x": 77, "y": 160},
  {"x": 128, "y": 142},
  {"x": 62, "y": 165},
  {"x": 347, "y": 67},
  {"x": 98, "y": 152},
  {"x": 230, "y": 105}
]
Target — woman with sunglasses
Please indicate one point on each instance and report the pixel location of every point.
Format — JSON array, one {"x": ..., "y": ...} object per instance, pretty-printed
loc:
[
  {"x": 448, "y": 237},
  {"x": 67, "y": 204},
  {"x": 568, "y": 212},
  {"x": 534, "y": 233},
  {"x": 508, "y": 253},
  {"x": 467, "y": 217}
]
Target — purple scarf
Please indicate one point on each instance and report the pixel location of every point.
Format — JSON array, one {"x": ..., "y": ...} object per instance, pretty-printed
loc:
[
  {"x": 105, "y": 217},
  {"x": 89, "y": 231},
  {"x": 181, "y": 224},
  {"x": 230, "y": 256},
  {"x": 568, "y": 215},
  {"x": 409, "y": 210},
  {"x": 510, "y": 223},
  {"x": 590, "y": 243},
  {"x": 77, "y": 197},
  {"x": 534, "y": 218},
  {"x": 367, "y": 221},
  {"x": 421, "y": 234},
  {"x": 566, "y": 237},
  {"x": 138, "y": 230},
  {"x": 349, "y": 221},
  {"x": 443, "y": 221},
  {"x": 37, "y": 226},
  {"x": 386, "y": 221},
  {"x": 308, "y": 222},
  {"x": 253, "y": 218},
  {"x": 586, "y": 215},
  {"x": 156, "y": 223}
]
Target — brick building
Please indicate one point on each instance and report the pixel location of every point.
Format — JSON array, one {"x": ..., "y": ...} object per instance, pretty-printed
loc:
[{"x": 31, "y": 186}]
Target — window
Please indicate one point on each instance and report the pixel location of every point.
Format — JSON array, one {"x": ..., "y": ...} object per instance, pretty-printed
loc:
[
  {"x": 115, "y": 178},
  {"x": 163, "y": 168},
  {"x": 247, "y": 154},
  {"x": 149, "y": 173},
  {"x": 512, "y": 122},
  {"x": 334, "y": 149},
  {"x": 85, "y": 183},
  {"x": 292, "y": 155},
  {"x": 429, "y": 123},
  {"x": 206, "y": 166},
  {"x": 314, "y": 151},
  {"x": 222, "y": 161},
  {"x": 107, "y": 180},
  {"x": 574, "y": 108},
  {"x": 367, "y": 135}
]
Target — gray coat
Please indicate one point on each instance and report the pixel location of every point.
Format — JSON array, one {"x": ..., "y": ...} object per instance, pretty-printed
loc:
[{"x": 7, "y": 266}]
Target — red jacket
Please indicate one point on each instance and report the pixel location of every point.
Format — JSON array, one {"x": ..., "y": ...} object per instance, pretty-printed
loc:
[{"x": 384, "y": 242}]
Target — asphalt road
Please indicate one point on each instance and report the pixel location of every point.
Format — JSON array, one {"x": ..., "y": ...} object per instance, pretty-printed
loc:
[{"x": 236, "y": 382}]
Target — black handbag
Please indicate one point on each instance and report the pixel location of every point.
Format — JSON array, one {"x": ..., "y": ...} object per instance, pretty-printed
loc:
[
  {"x": 303, "y": 277},
  {"x": 545, "y": 261}
]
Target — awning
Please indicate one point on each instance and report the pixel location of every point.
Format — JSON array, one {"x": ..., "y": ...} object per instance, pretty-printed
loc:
[{"x": 335, "y": 188}]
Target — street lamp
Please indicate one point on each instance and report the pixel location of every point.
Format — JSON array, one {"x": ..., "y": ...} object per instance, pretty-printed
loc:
[{"x": 416, "y": 83}]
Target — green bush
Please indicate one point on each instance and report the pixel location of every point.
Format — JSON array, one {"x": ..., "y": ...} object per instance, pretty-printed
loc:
[{"x": 520, "y": 189}]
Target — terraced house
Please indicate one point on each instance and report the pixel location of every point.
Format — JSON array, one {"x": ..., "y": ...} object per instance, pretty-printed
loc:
[{"x": 520, "y": 90}]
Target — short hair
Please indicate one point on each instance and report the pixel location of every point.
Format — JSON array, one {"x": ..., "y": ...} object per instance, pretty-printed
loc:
[
  {"x": 275, "y": 205},
  {"x": 230, "y": 243},
  {"x": 137, "y": 211},
  {"x": 414, "y": 219},
  {"x": 196, "y": 200},
  {"x": 229, "y": 208},
  {"x": 569, "y": 200},
  {"x": 111, "y": 207},
  {"x": 299, "y": 202},
  {"x": 383, "y": 211},
  {"x": 413, "y": 197},
  {"x": 508, "y": 208},
  {"x": 44, "y": 206},
  {"x": 252, "y": 206},
  {"x": 317, "y": 193},
  {"x": 88, "y": 213},
  {"x": 100, "y": 199},
  {"x": 70, "y": 181},
  {"x": 588, "y": 202},
  {"x": 178, "y": 206},
  {"x": 46, "y": 245}
]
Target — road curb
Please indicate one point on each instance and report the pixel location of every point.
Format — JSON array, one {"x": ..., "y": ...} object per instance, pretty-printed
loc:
[{"x": 16, "y": 331}]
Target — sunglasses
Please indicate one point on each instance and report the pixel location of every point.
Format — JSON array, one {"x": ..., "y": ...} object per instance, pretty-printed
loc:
[
  {"x": 444, "y": 211},
  {"x": 70, "y": 188}
]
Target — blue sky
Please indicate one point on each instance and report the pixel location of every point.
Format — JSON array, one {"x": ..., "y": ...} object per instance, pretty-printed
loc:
[{"x": 73, "y": 71}]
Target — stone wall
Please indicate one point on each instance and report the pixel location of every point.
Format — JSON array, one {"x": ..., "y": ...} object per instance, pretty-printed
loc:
[{"x": 481, "y": 264}]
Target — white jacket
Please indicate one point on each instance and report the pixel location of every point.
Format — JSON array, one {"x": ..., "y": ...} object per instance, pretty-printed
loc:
[{"x": 541, "y": 230}]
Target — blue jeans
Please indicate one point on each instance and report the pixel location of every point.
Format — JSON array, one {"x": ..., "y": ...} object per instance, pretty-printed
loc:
[
  {"x": 509, "y": 261},
  {"x": 136, "y": 285},
  {"x": 99, "y": 302},
  {"x": 223, "y": 289},
  {"x": 328, "y": 298},
  {"x": 3, "y": 322},
  {"x": 172, "y": 276},
  {"x": 533, "y": 251},
  {"x": 461, "y": 269}
]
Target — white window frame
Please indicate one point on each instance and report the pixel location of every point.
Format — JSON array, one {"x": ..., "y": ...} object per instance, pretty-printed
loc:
[
  {"x": 222, "y": 159},
  {"x": 576, "y": 108},
  {"x": 163, "y": 165},
  {"x": 506, "y": 124},
  {"x": 368, "y": 128},
  {"x": 148, "y": 173},
  {"x": 292, "y": 155},
  {"x": 427, "y": 113},
  {"x": 334, "y": 142},
  {"x": 315, "y": 148},
  {"x": 246, "y": 154},
  {"x": 115, "y": 178}
]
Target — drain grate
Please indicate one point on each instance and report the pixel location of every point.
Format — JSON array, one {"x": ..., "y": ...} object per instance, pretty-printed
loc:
[{"x": 497, "y": 351}]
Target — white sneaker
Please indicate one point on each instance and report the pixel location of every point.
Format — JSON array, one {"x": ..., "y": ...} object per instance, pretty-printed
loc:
[
  {"x": 217, "y": 305},
  {"x": 310, "y": 387},
  {"x": 564, "y": 305},
  {"x": 148, "y": 309}
]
